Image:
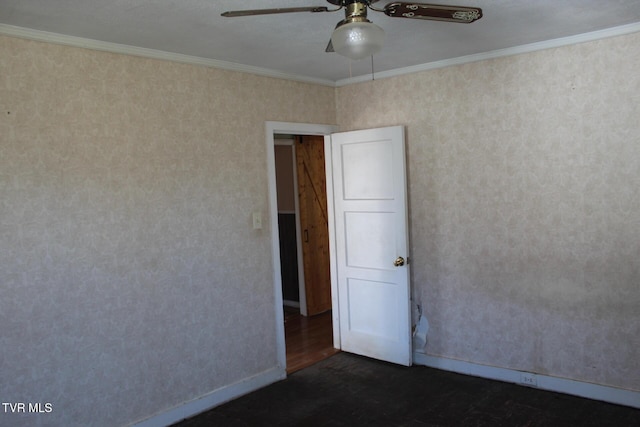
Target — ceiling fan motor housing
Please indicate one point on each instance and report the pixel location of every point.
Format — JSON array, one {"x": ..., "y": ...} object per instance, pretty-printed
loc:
[
  {"x": 346, "y": 2},
  {"x": 355, "y": 12}
]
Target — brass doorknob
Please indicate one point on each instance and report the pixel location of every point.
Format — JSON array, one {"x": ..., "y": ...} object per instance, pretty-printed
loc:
[{"x": 399, "y": 262}]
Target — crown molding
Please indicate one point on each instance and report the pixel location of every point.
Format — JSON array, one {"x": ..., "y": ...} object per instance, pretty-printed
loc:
[
  {"x": 516, "y": 50},
  {"x": 44, "y": 36}
]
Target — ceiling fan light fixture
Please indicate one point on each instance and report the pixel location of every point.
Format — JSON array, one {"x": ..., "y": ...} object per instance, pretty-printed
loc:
[{"x": 357, "y": 39}]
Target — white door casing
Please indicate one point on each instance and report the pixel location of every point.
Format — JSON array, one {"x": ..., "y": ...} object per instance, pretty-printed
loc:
[
  {"x": 371, "y": 232},
  {"x": 272, "y": 128}
]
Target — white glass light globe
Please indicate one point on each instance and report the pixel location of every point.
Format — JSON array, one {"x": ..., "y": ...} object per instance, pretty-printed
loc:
[{"x": 357, "y": 40}]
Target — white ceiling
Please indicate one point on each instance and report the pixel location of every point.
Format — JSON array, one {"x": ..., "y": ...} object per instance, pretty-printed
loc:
[{"x": 294, "y": 43}]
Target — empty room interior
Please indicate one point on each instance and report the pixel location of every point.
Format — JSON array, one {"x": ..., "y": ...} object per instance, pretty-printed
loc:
[{"x": 140, "y": 267}]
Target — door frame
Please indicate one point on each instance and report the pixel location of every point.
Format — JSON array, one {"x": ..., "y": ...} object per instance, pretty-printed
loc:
[
  {"x": 302, "y": 291},
  {"x": 272, "y": 128}
]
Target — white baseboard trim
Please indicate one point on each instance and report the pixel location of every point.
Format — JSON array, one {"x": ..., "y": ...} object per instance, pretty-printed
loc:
[
  {"x": 213, "y": 399},
  {"x": 561, "y": 385},
  {"x": 289, "y": 303}
]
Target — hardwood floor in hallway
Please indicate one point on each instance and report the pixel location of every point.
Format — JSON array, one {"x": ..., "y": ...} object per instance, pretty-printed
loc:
[{"x": 308, "y": 339}]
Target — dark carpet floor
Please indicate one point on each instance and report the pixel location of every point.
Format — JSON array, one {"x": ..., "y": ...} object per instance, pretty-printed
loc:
[{"x": 348, "y": 390}]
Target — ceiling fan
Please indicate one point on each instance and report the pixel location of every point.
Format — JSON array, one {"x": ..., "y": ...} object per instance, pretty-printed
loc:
[{"x": 355, "y": 36}]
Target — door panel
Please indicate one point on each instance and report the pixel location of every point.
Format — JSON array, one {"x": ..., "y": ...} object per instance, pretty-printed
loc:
[
  {"x": 310, "y": 162},
  {"x": 370, "y": 308},
  {"x": 370, "y": 211},
  {"x": 366, "y": 170},
  {"x": 364, "y": 231}
]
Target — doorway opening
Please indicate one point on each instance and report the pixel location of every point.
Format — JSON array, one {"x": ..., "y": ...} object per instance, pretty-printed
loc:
[
  {"x": 369, "y": 278},
  {"x": 304, "y": 249}
]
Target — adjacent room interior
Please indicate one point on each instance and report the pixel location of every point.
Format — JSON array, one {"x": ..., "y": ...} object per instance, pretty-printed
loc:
[{"x": 304, "y": 249}]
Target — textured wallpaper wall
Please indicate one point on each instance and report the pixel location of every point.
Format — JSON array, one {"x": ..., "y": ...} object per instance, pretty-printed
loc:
[
  {"x": 524, "y": 183},
  {"x": 131, "y": 278}
]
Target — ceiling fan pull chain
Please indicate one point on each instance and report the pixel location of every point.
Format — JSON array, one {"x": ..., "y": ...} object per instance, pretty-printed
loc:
[{"x": 373, "y": 76}]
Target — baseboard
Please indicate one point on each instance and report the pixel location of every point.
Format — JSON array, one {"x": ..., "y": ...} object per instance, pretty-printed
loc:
[
  {"x": 213, "y": 399},
  {"x": 561, "y": 385},
  {"x": 289, "y": 303}
]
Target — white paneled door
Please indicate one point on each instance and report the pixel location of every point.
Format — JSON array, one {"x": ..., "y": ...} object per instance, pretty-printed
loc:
[{"x": 371, "y": 243}]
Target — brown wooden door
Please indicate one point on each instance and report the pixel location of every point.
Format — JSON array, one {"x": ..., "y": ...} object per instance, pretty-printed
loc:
[{"x": 313, "y": 222}]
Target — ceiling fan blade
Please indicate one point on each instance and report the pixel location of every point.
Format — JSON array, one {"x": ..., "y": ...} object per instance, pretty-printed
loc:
[
  {"x": 329, "y": 48},
  {"x": 433, "y": 12},
  {"x": 235, "y": 13}
]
